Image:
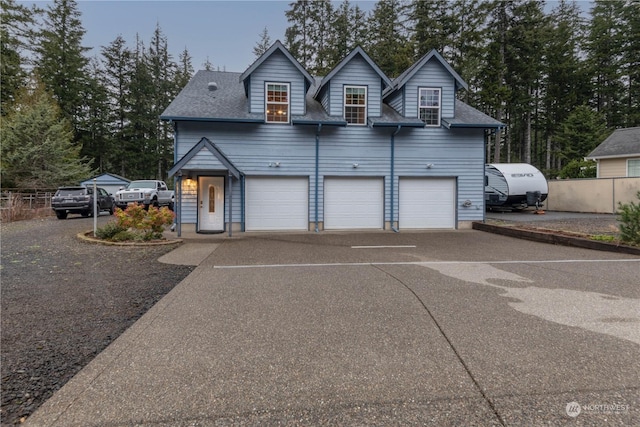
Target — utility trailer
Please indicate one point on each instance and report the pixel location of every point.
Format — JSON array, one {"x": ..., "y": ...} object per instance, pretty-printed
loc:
[{"x": 514, "y": 186}]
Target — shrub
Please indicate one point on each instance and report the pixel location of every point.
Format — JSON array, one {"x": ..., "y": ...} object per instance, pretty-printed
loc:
[
  {"x": 137, "y": 224},
  {"x": 629, "y": 218},
  {"x": 110, "y": 230}
]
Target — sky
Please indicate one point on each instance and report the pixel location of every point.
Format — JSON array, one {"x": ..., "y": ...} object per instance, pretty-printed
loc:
[{"x": 225, "y": 32}]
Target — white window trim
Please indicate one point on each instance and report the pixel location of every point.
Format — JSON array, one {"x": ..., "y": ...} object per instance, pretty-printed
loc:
[
  {"x": 629, "y": 161},
  {"x": 288, "y": 103},
  {"x": 344, "y": 103},
  {"x": 439, "y": 108}
]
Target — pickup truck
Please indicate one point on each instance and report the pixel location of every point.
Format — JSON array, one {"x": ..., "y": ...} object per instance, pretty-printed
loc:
[{"x": 145, "y": 192}]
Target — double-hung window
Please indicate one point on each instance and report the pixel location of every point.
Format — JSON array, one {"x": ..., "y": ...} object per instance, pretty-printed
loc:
[
  {"x": 355, "y": 105},
  {"x": 277, "y": 102},
  {"x": 633, "y": 167},
  {"x": 429, "y": 100}
]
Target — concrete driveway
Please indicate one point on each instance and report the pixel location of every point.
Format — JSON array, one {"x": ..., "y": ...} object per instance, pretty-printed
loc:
[{"x": 431, "y": 328}]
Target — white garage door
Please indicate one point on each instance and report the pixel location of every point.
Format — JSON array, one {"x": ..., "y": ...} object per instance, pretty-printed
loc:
[
  {"x": 352, "y": 203},
  {"x": 277, "y": 204},
  {"x": 427, "y": 203}
]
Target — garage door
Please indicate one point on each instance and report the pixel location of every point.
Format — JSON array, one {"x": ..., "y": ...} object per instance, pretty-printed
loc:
[
  {"x": 353, "y": 203},
  {"x": 427, "y": 203},
  {"x": 277, "y": 204}
]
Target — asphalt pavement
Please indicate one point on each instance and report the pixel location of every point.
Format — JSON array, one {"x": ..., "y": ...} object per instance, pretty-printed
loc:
[{"x": 425, "y": 328}]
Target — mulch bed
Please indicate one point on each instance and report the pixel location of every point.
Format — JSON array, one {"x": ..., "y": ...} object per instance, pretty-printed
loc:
[{"x": 64, "y": 300}]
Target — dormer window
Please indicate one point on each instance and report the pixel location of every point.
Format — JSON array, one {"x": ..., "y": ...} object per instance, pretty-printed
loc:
[
  {"x": 355, "y": 105},
  {"x": 429, "y": 103},
  {"x": 277, "y": 102}
]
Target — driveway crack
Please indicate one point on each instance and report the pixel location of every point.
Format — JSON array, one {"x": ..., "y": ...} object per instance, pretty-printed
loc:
[{"x": 449, "y": 342}]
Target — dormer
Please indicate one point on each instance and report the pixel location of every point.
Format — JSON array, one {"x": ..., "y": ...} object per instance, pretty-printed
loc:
[
  {"x": 353, "y": 89},
  {"x": 276, "y": 85},
  {"x": 426, "y": 90}
]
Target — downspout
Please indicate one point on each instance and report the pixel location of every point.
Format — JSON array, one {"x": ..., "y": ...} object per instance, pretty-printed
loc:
[
  {"x": 317, "y": 173},
  {"x": 230, "y": 204},
  {"x": 393, "y": 143},
  {"x": 242, "y": 224}
]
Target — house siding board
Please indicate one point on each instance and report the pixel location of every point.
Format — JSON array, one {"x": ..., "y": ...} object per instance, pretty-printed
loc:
[
  {"x": 434, "y": 75},
  {"x": 277, "y": 68},
  {"x": 455, "y": 153},
  {"x": 395, "y": 102},
  {"x": 356, "y": 72},
  {"x": 612, "y": 168}
]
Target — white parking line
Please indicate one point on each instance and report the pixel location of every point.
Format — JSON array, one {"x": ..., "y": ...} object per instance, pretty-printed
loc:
[
  {"x": 424, "y": 263},
  {"x": 383, "y": 247}
]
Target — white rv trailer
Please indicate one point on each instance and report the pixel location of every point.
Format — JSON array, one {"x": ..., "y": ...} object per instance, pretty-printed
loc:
[{"x": 514, "y": 185}]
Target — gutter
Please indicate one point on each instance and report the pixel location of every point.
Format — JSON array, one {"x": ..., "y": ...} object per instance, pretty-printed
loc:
[{"x": 393, "y": 142}]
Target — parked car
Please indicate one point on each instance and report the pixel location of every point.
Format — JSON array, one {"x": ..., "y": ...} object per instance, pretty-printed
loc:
[{"x": 79, "y": 200}]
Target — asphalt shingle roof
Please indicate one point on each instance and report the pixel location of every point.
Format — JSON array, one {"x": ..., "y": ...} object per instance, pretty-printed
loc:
[
  {"x": 229, "y": 103},
  {"x": 621, "y": 143}
]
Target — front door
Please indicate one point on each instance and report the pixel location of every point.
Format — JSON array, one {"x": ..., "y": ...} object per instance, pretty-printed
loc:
[{"x": 211, "y": 203}]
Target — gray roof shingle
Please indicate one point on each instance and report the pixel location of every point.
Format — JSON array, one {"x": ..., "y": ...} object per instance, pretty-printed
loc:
[
  {"x": 229, "y": 103},
  {"x": 621, "y": 143}
]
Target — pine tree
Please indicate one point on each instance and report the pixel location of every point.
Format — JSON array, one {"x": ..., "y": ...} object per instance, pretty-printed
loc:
[
  {"x": 15, "y": 29},
  {"x": 604, "y": 49},
  {"x": 38, "y": 151},
  {"x": 580, "y": 133},
  {"x": 263, "y": 44},
  {"x": 297, "y": 35},
  {"x": 184, "y": 71},
  {"x": 565, "y": 79},
  {"x": 388, "y": 43},
  {"x": 432, "y": 25},
  {"x": 60, "y": 57},
  {"x": 631, "y": 61}
]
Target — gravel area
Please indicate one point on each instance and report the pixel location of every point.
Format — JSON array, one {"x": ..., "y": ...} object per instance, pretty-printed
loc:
[
  {"x": 63, "y": 301},
  {"x": 572, "y": 223}
]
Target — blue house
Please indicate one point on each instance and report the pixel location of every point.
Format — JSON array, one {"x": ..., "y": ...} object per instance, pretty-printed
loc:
[{"x": 274, "y": 148}]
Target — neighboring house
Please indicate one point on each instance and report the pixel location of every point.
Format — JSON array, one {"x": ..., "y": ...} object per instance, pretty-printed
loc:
[
  {"x": 274, "y": 148},
  {"x": 619, "y": 154},
  {"x": 109, "y": 181}
]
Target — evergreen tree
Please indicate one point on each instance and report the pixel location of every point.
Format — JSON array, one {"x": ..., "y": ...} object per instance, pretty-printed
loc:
[
  {"x": 163, "y": 72},
  {"x": 631, "y": 62},
  {"x": 60, "y": 57},
  {"x": 433, "y": 26},
  {"x": 527, "y": 37},
  {"x": 15, "y": 30},
  {"x": 184, "y": 71},
  {"x": 494, "y": 93},
  {"x": 93, "y": 131},
  {"x": 582, "y": 131},
  {"x": 117, "y": 60},
  {"x": 38, "y": 151},
  {"x": 263, "y": 44},
  {"x": 297, "y": 35},
  {"x": 605, "y": 49},
  {"x": 565, "y": 79},
  {"x": 388, "y": 43},
  {"x": 208, "y": 65}
]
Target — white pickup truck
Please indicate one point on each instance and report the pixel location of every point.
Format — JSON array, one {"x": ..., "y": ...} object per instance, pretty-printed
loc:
[{"x": 145, "y": 192}]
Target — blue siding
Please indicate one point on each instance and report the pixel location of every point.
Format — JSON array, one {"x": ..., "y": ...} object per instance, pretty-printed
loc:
[
  {"x": 396, "y": 101},
  {"x": 454, "y": 153},
  {"x": 356, "y": 72},
  {"x": 277, "y": 68},
  {"x": 433, "y": 74}
]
